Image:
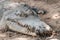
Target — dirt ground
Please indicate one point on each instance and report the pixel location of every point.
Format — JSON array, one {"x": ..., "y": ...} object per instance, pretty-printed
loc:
[{"x": 52, "y": 18}]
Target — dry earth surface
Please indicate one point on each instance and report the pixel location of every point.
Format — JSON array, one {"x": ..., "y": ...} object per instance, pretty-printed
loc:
[{"x": 52, "y": 18}]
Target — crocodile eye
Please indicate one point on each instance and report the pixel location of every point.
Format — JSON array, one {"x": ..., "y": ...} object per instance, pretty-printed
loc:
[
  {"x": 42, "y": 12},
  {"x": 25, "y": 15}
]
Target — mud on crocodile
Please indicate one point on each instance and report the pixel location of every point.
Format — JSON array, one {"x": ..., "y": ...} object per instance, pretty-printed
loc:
[{"x": 22, "y": 18}]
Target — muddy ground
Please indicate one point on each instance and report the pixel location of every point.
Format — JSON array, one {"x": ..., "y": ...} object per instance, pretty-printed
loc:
[{"x": 52, "y": 18}]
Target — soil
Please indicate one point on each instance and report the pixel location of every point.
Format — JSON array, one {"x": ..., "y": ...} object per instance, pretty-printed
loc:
[{"x": 52, "y": 18}]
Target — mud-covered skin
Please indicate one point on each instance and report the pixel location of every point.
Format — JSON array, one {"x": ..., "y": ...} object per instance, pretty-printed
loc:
[{"x": 22, "y": 18}]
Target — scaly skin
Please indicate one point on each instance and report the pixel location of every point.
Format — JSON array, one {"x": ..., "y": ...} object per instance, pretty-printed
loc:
[{"x": 22, "y": 18}]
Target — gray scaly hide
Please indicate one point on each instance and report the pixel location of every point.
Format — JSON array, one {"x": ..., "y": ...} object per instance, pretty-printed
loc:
[{"x": 21, "y": 18}]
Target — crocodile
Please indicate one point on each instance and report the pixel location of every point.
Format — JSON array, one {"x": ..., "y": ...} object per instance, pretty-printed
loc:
[{"x": 24, "y": 19}]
